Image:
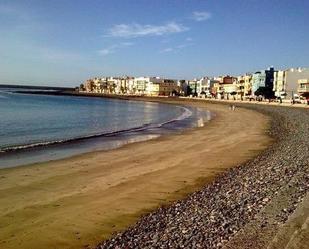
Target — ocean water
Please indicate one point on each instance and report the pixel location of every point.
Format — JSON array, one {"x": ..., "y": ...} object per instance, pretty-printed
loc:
[{"x": 35, "y": 128}]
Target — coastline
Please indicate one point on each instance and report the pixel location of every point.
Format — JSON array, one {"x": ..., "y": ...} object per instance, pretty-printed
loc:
[
  {"x": 262, "y": 203},
  {"x": 179, "y": 118},
  {"x": 162, "y": 98},
  {"x": 66, "y": 195}
]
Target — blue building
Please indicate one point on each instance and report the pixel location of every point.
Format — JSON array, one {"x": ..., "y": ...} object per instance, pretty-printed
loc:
[
  {"x": 258, "y": 80},
  {"x": 263, "y": 78}
]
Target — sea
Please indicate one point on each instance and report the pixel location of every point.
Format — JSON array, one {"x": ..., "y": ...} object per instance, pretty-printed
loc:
[{"x": 36, "y": 128}]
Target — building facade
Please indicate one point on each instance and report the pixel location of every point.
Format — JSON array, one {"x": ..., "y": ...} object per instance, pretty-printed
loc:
[
  {"x": 248, "y": 85},
  {"x": 155, "y": 86},
  {"x": 293, "y": 75},
  {"x": 258, "y": 80},
  {"x": 289, "y": 84},
  {"x": 303, "y": 88},
  {"x": 280, "y": 84},
  {"x": 286, "y": 83},
  {"x": 193, "y": 84},
  {"x": 225, "y": 87}
]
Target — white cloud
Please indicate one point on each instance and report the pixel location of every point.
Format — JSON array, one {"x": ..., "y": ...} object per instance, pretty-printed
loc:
[
  {"x": 106, "y": 51},
  {"x": 112, "y": 49},
  {"x": 138, "y": 30},
  {"x": 182, "y": 46},
  {"x": 201, "y": 15},
  {"x": 126, "y": 44},
  {"x": 166, "y": 50},
  {"x": 176, "y": 48}
]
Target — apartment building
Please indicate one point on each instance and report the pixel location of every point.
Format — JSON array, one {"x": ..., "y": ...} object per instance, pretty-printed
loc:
[
  {"x": 280, "y": 83},
  {"x": 229, "y": 86},
  {"x": 200, "y": 87},
  {"x": 303, "y": 87},
  {"x": 248, "y": 85},
  {"x": 156, "y": 86},
  {"x": 240, "y": 93},
  {"x": 225, "y": 87},
  {"x": 165, "y": 87},
  {"x": 286, "y": 82},
  {"x": 204, "y": 87},
  {"x": 258, "y": 80}
]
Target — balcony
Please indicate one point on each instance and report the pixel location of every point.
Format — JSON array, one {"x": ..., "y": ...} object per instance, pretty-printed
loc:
[{"x": 303, "y": 89}]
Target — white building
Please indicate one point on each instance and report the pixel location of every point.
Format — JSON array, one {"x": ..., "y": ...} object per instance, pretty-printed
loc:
[
  {"x": 131, "y": 88},
  {"x": 141, "y": 84},
  {"x": 258, "y": 80},
  {"x": 279, "y": 83},
  {"x": 155, "y": 86},
  {"x": 286, "y": 82},
  {"x": 200, "y": 87},
  {"x": 204, "y": 86}
]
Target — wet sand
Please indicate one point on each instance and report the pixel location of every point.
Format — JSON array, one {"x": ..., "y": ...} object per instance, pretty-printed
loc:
[{"x": 79, "y": 201}]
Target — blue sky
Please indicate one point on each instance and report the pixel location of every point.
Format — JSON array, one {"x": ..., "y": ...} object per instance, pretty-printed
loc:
[{"x": 62, "y": 42}]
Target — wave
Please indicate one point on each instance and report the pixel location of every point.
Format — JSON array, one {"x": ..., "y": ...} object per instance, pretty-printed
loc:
[
  {"x": 3, "y": 95},
  {"x": 186, "y": 114}
]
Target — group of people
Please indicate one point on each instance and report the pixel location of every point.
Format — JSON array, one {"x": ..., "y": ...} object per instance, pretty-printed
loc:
[{"x": 232, "y": 107}]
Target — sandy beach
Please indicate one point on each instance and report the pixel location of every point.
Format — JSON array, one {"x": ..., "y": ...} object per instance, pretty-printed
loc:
[
  {"x": 79, "y": 201},
  {"x": 262, "y": 203}
]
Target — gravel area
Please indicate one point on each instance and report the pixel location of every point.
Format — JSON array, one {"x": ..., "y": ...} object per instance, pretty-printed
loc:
[{"x": 266, "y": 189}]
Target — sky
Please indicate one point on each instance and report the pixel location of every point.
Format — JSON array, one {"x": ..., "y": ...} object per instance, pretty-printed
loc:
[{"x": 65, "y": 42}]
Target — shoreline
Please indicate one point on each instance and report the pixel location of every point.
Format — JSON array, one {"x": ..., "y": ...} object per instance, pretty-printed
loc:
[
  {"x": 262, "y": 203},
  {"x": 140, "y": 183},
  {"x": 39, "y": 152},
  {"x": 162, "y": 98}
]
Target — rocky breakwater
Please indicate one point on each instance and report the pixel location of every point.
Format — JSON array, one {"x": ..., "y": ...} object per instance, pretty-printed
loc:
[{"x": 243, "y": 207}]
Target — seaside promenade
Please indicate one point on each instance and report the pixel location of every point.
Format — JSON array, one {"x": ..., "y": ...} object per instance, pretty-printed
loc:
[{"x": 253, "y": 102}]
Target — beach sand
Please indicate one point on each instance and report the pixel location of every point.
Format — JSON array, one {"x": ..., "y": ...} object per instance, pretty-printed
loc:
[{"x": 79, "y": 201}]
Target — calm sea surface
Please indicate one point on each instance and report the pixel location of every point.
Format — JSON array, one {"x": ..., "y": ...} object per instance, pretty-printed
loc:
[{"x": 35, "y": 128}]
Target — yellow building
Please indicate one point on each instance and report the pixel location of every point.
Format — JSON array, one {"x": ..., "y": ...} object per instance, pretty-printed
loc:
[
  {"x": 162, "y": 87},
  {"x": 248, "y": 85},
  {"x": 240, "y": 93}
]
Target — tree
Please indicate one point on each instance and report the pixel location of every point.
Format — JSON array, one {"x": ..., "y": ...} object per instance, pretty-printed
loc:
[
  {"x": 175, "y": 93},
  {"x": 81, "y": 87},
  {"x": 189, "y": 90},
  {"x": 233, "y": 94},
  {"x": 266, "y": 92}
]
